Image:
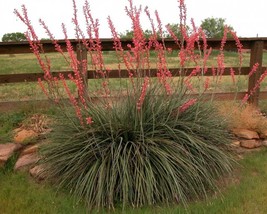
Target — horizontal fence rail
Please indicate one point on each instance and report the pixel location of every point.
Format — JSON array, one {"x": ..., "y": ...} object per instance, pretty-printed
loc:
[
  {"x": 33, "y": 77},
  {"x": 107, "y": 45},
  {"x": 255, "y": 45}
]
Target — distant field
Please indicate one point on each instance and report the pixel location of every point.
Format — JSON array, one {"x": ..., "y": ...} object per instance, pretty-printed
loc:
[{"x": 27, "y": 63}]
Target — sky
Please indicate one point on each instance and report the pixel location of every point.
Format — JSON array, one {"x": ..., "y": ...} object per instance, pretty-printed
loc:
[{"x": 246, "y": 17}]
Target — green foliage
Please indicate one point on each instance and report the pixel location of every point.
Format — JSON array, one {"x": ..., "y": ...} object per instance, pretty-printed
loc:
[
  {"x": 249, "y": 179},
  {"x": 176, "y": 29},
  {"x": 8, "y": 122},
  {"x": 45, "y": 39},
  {"x": 151, "y": 144},
  {"x": 131, "y": 157},
  {"x": 214, "y": 27},
  {"x": 9, "y": 165},
  {"x": 129, "y": 34},
  {"x": 14, "y": 37},
  {"x": 20, "y": 194}
]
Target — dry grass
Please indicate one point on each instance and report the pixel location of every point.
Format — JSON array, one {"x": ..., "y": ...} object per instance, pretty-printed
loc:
[
  {"x": 37, "y": 122},
  {"x": 248, "y": 116}
]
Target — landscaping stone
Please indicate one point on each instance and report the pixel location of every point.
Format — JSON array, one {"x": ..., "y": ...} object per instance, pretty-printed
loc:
[
  {"x": 23, "y": 135},
  {"x": 28, "y": 160},
  {"x": 264, "y": 143},
  {"x": 235, "y": 143},
  {"x": 25, "y": 161},
  {"x": 263, "y": 134},
  {"x": 246, "y": 134},
  {"x": 250, "y": 144},
  {"x": 6, "y": 151},
  {"x": 30, "y": 149},
  {"x": 36, "y": 172}
]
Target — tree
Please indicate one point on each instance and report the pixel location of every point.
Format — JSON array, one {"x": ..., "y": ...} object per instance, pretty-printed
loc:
[
  {"x": 128, "y": 34},
  {"x": 214, "y": 27},
  {"x": 176, "y": 29},
  {"x": 45, "y": 39},
  {"x": 14, "y": 37}
]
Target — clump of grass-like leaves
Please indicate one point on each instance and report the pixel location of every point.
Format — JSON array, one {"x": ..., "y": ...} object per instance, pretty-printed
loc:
[
  {"x": 156, "y": 141},
  {"x": 159, "y": 154}
]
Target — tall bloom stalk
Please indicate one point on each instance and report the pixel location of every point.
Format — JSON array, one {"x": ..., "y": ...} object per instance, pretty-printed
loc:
[{"x": 128, "y": 148}]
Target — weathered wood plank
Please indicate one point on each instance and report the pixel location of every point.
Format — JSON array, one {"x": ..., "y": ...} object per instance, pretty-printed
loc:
[
  {"x": 256, "y": 56},
  {"x": 33, "y": 77},
  {"x": 257, "y": 45},
  {"x": 107, "y": 45},
  {"x": 12, "y": 105}
]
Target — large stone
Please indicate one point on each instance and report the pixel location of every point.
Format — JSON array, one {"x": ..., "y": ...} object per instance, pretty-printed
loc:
[
  {"x": 264, "y": 143},
  {"x": 250, "y": 144},
  {"x": 24, "y": 135},
  {"x": 263, "y": 134},
  {"x": 235, "y": 143},
  {"x": 246, "y": 134},
  {"x": 25, "y": 161},
  {"x": 36, "y": 172},
  {"x": 6, "y": 151},
  {"x": 30, "y": 149}
]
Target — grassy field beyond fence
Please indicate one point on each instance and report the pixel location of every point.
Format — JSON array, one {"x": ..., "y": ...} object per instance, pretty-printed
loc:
[{"x": 27, "y": 63}]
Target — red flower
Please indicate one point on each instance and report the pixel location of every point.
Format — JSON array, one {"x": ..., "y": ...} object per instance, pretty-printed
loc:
[
  {"x": 89, "y": 120},
  {"x": 187, "y": 104}
]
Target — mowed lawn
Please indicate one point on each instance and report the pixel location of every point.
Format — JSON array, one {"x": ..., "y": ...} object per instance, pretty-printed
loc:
[{"x": 243, "y": 193}]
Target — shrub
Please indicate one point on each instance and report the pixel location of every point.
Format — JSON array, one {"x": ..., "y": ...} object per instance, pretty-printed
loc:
[
  {"x": 155, "y": 141},
  {"x": 159, "y": 155},
  {"x": 245, "y": 116}
]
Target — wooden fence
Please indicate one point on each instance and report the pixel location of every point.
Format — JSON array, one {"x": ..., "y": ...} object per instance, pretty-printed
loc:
[{"x": 255, "y": 45}]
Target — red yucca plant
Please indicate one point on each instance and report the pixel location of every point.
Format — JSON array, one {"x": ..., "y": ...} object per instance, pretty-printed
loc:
[{"x": 153, "y": 140}]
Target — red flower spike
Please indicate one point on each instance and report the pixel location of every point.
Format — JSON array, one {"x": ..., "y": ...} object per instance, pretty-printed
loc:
[{"x": 89, "y": 120}]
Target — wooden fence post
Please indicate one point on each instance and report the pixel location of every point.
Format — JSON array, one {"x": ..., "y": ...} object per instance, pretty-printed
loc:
[
  {"x": 81, "y": 53},
  {"x": 256, "y": 55}
]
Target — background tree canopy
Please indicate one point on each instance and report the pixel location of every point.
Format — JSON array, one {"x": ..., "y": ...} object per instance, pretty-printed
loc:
[
  {"x": 14, "y": 37},
  {"x": 214, "y": 27},
  {"x": 128, "y": 34},
  {"x": 175, "y": 28}
]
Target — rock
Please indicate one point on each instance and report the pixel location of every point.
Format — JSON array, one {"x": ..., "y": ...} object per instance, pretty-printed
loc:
[
  {"x": 30, "y": 149},
  {"x": 36, "y": 172},
  {"x": 264, "y": 143},
  {"x": 235, "y": 143},
  {"x": 263, "y": 134},
  {"x": 246, "y": 134},
  {"x": 250, "y": 144},
  {"x": 26, "y": 161},
  {"x": 23, "y": 135},
  {"x": 6, "y": 151}
]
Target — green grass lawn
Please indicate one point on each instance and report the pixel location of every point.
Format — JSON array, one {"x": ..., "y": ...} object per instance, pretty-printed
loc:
[
  {"x": 245, "y": 193},
  {"x": 27, "y": 63}
]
